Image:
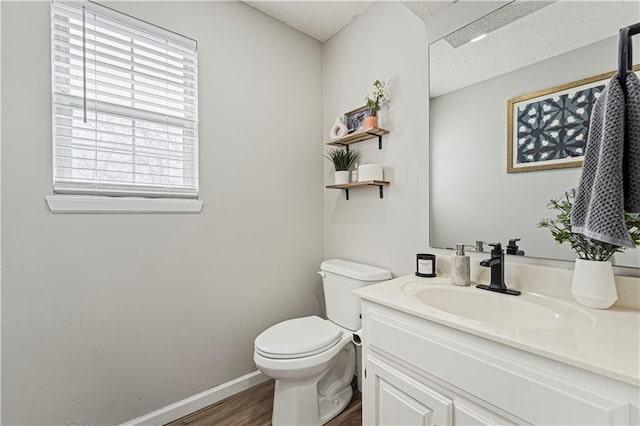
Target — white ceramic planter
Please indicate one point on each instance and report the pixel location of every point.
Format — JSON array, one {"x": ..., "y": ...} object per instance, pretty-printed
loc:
[
  {"x": 341, "y": 177},
  {"x": 593, "y": 284}
]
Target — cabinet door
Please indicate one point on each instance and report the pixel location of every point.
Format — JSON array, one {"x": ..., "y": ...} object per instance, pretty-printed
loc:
[
  {"x": 391, "y": 398},
  {"x": 467, "y": 414}
]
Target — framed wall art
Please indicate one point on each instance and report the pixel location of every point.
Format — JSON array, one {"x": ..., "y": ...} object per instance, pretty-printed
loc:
[
  {"x": 355, "y": 119},
  {"x": 548, "y": 129}
]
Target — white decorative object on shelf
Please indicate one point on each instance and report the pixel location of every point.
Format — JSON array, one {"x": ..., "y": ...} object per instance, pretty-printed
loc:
[
  {"x": 593, "y": 284},
  {"x": 339, "y": 129},
  {"x": 341, "y": 177},
  {"x": 370, "y": 172}
]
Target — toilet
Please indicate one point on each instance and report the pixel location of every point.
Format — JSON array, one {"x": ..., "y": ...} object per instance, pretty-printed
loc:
[{"x": 313, "y": 360}]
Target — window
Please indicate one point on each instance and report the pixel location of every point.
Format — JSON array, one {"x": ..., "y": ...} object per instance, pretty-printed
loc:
[{"x": 125, "y": 105}]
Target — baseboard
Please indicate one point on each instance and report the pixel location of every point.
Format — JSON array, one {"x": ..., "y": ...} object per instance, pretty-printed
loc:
[{"x": 198, "y": 401}]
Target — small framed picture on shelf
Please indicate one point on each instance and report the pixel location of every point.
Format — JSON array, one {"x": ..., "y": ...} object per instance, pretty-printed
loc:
[{"x": 355, "y": 119}]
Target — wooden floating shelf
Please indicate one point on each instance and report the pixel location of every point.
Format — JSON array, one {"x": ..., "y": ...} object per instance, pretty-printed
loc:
[
  {"x": 357, "y": 184},
  {"x": 347, "y": 186},
  {"x": 359, "y": 136}
]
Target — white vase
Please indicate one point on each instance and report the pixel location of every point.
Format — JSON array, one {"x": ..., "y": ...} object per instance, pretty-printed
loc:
[
  {"x": 339, "y": 129},
  {"x": 341, "y": 177},
  {"x": 593, "y": 284}
]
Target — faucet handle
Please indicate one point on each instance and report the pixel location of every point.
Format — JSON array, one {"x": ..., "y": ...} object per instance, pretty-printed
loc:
[
  {"x": 478, "y": 246},
  {"x": 512, "y": 247},
  {"x": 497, "y": 248}
]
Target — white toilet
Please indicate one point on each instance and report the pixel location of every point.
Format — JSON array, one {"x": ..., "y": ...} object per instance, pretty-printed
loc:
[{"x": 313, "y": 360}]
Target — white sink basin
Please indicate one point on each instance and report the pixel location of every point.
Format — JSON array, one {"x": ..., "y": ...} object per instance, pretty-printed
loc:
[{"x": 528, "y": 311}]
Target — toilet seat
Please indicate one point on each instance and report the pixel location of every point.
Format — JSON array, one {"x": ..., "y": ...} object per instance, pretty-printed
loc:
[{"x": 297, "y": 338}]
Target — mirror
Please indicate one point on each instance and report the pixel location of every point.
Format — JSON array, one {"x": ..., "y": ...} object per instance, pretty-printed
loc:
[{"x": 523, "y": 48}]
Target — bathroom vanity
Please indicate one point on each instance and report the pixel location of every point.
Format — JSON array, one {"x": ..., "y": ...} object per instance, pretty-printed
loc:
[{"x": 435, "y": 354}]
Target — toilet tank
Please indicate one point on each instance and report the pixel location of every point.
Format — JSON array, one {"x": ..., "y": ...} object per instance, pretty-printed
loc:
[{"x": 340, "y": 278}]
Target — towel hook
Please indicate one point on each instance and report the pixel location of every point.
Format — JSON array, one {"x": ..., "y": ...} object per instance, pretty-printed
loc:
[
  {"x": 623, "y": 54},
  {"x": 625, "y": 50}
]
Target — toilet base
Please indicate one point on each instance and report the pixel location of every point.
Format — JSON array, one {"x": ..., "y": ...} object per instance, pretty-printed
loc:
[
  {"x": 331, "y": 407},
  {"x": 298, "y": 404},
  {"x": 318, "y": 399}
]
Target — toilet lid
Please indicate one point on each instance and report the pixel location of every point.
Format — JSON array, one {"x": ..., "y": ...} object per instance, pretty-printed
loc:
[{"x": 297, "y": 338}]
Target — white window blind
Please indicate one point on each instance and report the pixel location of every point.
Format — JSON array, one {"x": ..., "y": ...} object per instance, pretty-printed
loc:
[{"x": 125, "y": 105}]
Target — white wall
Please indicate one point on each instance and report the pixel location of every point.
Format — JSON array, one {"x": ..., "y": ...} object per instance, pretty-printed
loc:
[
  {"x": 387, "y": 41},
  {"x": 468, "y": 147},
  {"x": 108, "y": 317},
  {"x": 0, "y": 217}
]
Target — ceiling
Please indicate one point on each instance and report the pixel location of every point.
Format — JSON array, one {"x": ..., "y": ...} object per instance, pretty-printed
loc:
[
  {"x": 322, "y": 19},
  {"x": 519, "y": 34},
  {"x": 498, "y": 19},
  {"x": 531, "y": 37},
  {"x": 319, "y": 19}
]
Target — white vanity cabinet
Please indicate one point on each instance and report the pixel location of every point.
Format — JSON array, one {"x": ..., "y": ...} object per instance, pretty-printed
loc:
[
  {"x": 419, "y": 372},
  {"x": 400, "y": 399}
]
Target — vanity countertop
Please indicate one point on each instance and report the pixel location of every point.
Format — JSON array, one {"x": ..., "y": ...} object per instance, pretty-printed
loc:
[{"x": 606, "y": 343}]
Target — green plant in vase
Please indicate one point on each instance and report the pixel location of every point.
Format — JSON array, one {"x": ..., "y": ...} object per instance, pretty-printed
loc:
[
  {"x": 586, "y": 248},
  {"x": 593, "y": 283},
  {"x": 378, "y": 96},
  {"x": 342, "y": 160}
]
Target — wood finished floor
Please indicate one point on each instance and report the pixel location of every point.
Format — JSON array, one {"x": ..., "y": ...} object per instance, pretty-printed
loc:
[{"x": 253, "y": 407}]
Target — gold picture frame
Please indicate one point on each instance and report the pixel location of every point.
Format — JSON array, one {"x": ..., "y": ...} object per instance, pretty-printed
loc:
[{"x": 534, "y": 102}]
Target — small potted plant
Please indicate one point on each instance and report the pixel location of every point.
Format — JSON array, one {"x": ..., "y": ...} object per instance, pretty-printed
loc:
[
  {"x": 374, "y": 101},
  {"x": 593, "y": 283},
  {"x": 342, "y": 161}
]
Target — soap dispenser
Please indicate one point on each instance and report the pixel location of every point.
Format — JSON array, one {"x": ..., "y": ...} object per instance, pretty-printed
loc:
[{"x": 460, "y": 267}]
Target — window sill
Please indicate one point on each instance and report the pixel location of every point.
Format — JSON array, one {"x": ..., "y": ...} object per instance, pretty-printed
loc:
[{"x": 102, "y": 204}]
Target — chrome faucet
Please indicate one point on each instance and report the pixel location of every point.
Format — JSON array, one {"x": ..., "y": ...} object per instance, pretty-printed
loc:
[{"x": 496, "y": 263}]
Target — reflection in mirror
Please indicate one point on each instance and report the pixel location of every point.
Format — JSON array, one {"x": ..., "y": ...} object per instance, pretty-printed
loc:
[{"x": 521, "y": 49}]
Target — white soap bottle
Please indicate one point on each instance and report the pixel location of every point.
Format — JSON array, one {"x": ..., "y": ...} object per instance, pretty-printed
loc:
[{"x": 460, "y": 267}]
